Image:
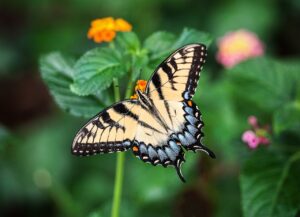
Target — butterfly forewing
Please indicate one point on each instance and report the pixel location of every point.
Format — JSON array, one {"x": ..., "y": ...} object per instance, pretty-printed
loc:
[
  {"x": 111, "y": 130},
  {"x": 176, "y": 78}
]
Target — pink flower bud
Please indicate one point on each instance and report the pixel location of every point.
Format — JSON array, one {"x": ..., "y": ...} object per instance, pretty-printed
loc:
[
  {"x": 264, "y": 140},
  {"x": 252, "y": 120}
]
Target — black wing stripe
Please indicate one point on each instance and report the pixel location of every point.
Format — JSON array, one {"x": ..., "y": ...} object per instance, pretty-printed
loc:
[
  {"x": 157, "y": 83},
  {"x": 173, "y": 63},
  {"x": 121, "y": 109},
  {"x": 191, "y": 57}
]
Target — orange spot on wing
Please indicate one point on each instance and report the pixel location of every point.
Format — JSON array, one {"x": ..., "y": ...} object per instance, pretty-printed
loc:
[
  {"x": 135, "y": 148},
  {"x": 190, "y": 103}
]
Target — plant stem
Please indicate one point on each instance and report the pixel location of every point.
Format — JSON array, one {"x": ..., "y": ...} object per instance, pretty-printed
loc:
[
  {"x": 116, "y": 89},
  {"x": 129, "y": 89},
  {"x": 118, "y": 184},
  {"x": 119, "y": 167}
]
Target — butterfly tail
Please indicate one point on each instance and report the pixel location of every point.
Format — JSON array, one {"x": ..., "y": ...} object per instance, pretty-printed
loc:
[
  {"x": 205, "y": 149},
  {"x": 178, "y": 170}
]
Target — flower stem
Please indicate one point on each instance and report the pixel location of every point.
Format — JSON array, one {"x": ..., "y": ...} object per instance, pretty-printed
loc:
[
  {"x": 118, "y": 184},
  {"x": 119, "y": 167}
]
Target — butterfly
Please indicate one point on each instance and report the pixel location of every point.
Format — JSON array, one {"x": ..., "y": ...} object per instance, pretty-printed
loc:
[{"x": 161, "y": 124}]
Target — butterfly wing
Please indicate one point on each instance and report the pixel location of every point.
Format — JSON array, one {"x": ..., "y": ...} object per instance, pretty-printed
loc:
[
  {"x": 170, "y": 90},
  {"x": 177, "y": 76},
  {"x": 157, "y": 135},
  {"x": 162, "y": 146},
  {"x": 111, "y": 130}
]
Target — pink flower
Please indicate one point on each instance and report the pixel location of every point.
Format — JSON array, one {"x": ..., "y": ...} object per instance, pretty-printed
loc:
[
  {"x": 248, "y": 135},
  {"x": 252, "y": 120},
  {"x": 264, "y": 140},
  {"x": 251, "y": 139},
  {"x": 237, "y": 46},
  {"x": 258, "y": 135}
]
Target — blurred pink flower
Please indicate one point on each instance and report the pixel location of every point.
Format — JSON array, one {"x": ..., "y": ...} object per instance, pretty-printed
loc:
[
  {"x": 258, "y": 135},
  {"x": 264, "y": 140},
  {"x": 248, "y": 135},
  {"x": 237, "y": 46},
  {"x": 250, "y": 138},
  {"x": 252, "y": 120}
]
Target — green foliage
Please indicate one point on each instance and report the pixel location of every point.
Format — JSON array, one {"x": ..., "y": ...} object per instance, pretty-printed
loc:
[
  {"x": 81, "y": 87},
  {"x": 269, "y": 182},
  {"x": 265, "y": 83},
  {"x": 58, "y": 73},
  {"x": 287, "y": 119},
  {"x": 161, "y": 44},
  {"x": 95, "y": 70},
  {"x": 269, "y": 178}
]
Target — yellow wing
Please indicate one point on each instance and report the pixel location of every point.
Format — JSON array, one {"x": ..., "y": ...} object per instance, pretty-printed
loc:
[
  {"x": 111, "y": 130},
  {"x": 177, "y": 77},
  {"x": 177, "y": 126}
]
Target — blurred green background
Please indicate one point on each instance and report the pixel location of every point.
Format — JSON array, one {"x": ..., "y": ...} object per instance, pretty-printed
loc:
[{"x": 38, "y": 174}]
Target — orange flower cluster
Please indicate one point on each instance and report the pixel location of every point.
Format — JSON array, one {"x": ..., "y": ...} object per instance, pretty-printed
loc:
[
  {"x": 104, "y": 30},
  {"x": 140, "y": 85}
]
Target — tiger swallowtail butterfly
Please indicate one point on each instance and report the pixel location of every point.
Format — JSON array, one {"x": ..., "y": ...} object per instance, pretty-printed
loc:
[{"x": 161, "y": 123}]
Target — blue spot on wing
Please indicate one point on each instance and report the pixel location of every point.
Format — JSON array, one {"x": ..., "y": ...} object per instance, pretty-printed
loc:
[
  {"x": 191, "y": 119},
  {"x": 174, "y": 146},
  {"x": 171, "y": 154},
  {"x": 152, "y": 153},
  {"x": 162, "y": 155}
]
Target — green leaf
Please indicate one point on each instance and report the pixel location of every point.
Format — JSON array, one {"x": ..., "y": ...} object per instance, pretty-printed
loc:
[
  {"x": 95, "y": 70},
  {"x": 270, "y": 185},
  {"x": 127, "y": 42},
  {"x": 134, "y": 59},
  {"x": 57, "y": 71},
  {"x": 189, "y": 36},
  {"x": 161, "y": 44},
  {"x": 287, "y": 119},
  {"x": 158, "y": 43},
  {"x": 265, "y": 83}
]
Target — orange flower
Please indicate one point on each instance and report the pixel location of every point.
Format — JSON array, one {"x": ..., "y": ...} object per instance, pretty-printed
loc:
[
  {"x": 140, "y": 85},
  {"x": 122, "y": 25},
  {"x": 134, "y": 96},
  {"x": 104, "y": 30}
]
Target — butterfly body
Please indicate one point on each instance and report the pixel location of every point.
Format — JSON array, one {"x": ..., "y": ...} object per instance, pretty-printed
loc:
[{"x": 161, "y": 123}]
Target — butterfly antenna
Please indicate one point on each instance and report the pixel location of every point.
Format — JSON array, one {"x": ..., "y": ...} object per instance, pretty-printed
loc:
[{"x": 178, "y": 170}]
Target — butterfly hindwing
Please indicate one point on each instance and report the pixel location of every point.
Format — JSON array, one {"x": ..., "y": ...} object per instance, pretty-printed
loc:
[
  {"x": 166, "y": 147},
  {"x": 176, "y": 77}
]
